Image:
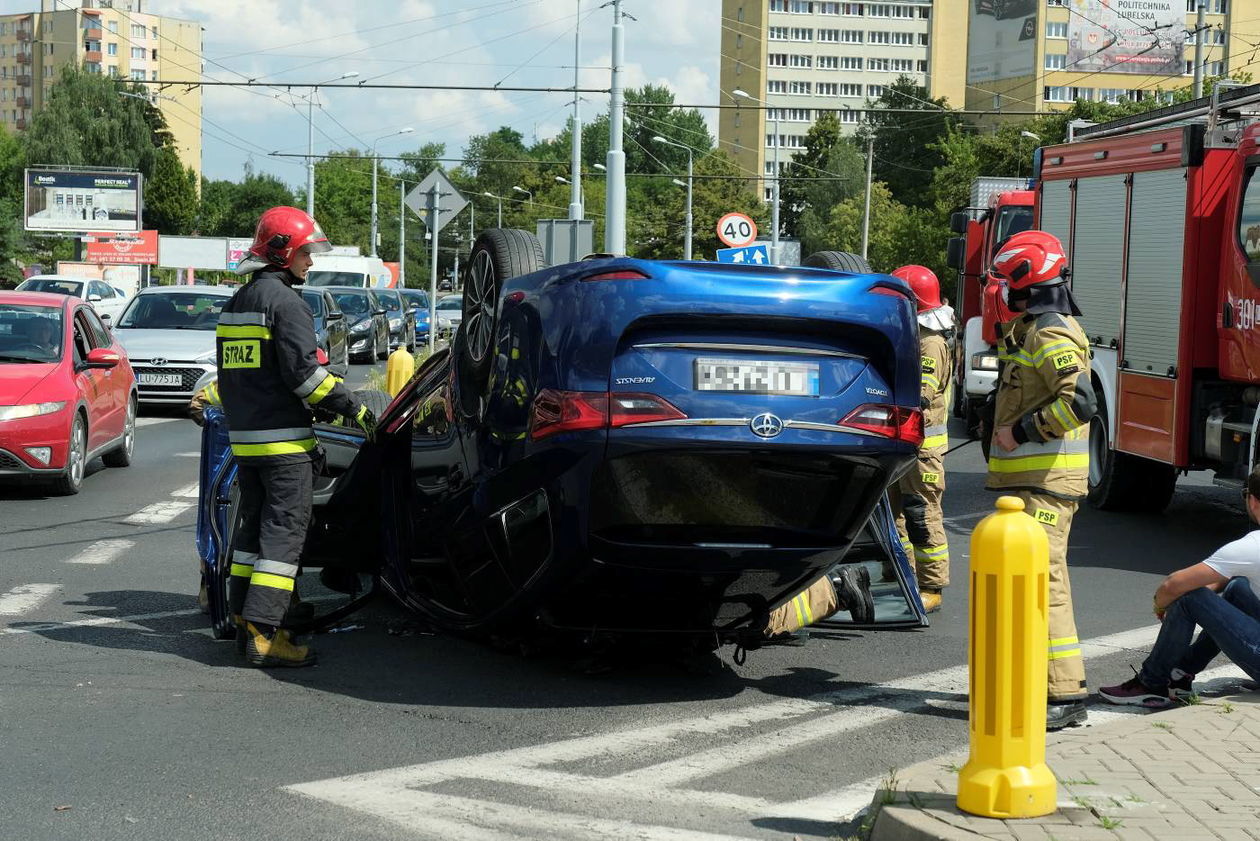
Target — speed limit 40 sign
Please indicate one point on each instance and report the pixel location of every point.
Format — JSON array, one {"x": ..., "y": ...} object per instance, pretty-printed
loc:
[{"x": 737, "y": 230}]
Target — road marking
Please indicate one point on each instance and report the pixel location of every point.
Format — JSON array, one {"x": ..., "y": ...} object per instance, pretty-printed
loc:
[
  {"x": 155, "y": 421},
  {"x": 159, "y": 513},
  {"x": 406, "y": 795},
  {"x": 195, "y": 454},
  {"x": 102, "y": 551},
  {"x": 25, "y": 598},
  {"x": 97, "y": 621},
  {"x": 188, "y": 491}
]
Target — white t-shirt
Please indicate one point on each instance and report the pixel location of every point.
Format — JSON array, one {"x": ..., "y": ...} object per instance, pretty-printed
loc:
[{"x": 1242, "y": 557}]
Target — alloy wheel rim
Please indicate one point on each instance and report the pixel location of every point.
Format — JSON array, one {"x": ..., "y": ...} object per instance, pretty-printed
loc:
[
  {"x": 1097, "y": 450},
  {"x": 480, "y": 299},
  {"x": 129, "y": 432},
  {"x": 77, "y": 446}
]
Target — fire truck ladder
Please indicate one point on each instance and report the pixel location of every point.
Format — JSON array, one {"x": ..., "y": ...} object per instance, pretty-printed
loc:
[{"x": 1224, "y": 105}]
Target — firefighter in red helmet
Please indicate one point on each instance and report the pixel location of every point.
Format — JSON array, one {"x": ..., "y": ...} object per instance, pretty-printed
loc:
[
  {"x": 916, "y": 498},
  {"x": 269, "y": 380},
  {"x": 1040, "y": 440}
]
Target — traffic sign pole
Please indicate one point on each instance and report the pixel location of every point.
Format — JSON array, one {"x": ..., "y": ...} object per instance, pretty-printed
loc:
[{"x": 435, "y": 211}]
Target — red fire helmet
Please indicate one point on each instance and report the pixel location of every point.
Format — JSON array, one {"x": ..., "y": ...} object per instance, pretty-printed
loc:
[
  {"x": 282, "y": 231},
  {"x": 1030, "y": 258},
  {"x": 924, "y": 285}
]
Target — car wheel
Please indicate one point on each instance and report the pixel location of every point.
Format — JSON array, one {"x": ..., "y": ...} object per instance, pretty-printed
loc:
[
  {"x": 497, "y": 256},
  {"x": 837, "y": 261},
  {"x": 71, "y": 481},
  {"x": 376, "y": 401},
  {"x": 121, "y": 457}
]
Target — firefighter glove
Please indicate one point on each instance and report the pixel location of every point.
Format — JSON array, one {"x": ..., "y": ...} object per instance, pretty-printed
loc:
[{"x": 367, "y": 421}]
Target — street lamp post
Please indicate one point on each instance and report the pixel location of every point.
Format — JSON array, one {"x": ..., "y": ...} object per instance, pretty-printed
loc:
[
  {"x": 1034, "y": 137},
  {"x": 774, "y": 209},
  {"x": 310, "y": 139},
  {"x": 687, "y": 240},
  {"x": 407, "y": 130},
  {"x": 516, "y": 189},
  {"x": 499, "y": 199}
]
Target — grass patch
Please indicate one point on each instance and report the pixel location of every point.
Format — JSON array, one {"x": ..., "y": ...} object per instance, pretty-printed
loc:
[
  {"x": 1192, "y": 700},
  {"x": 1083, "y": 781},
  {"x": 1083, "y": 802},
  {"x": 952, "y": 767},
  {"x": 1133, "y": 798},
  {"x": 1110, "y": 823},
  {"x": 1226, "y": 708},
  {"x": 1162, "y": 725}
]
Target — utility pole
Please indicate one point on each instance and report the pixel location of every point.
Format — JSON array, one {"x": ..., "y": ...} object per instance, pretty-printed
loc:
[
  {"x": 402, "y": 234},
  {"x": 615, "y": 202},
  {"x": 576, "y": 211},
  {"x": 1199, "y": 26},
  {"x": 774, "y": 210},
  {"x": 866, "y": 213},
  {"x": 310, "y": 154},
  {"x": 435, "y": 201},
  {"x": 472, "y": 223}
]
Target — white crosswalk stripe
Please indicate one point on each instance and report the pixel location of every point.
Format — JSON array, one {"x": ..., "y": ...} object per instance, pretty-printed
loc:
[
  {"x": 156, "y": 421},
  {"x": 25, "y": 598},
  {"x": 187, "y": 492},
  {"x": 159, "y": 513},
  {"x": 102, "y": 551}
]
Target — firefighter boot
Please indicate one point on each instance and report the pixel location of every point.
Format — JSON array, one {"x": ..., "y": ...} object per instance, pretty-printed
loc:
[
  {"x": 931, "y": 600},
  {"x": 1060, "y": 714},
  {"x": 267, "y": 646},
  {"x": 853, "y": 587}
]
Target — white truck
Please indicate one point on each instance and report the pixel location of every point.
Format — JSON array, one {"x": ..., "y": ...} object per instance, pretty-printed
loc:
[{"x": 341, "y": 269}]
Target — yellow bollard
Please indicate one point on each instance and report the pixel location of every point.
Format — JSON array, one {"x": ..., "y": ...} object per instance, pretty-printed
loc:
[
  {"x": 398, "y": 370},
  {"x": 1006, "y": 775}
]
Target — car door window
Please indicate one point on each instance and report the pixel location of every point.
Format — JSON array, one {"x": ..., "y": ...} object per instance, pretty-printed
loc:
[
  {"x": 98, "y": 336},
  {"x": 82, "y": 340}
]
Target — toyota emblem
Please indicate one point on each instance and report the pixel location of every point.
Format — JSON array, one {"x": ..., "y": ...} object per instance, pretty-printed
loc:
[
  {"x": 766, "y": 425},
  {"x": 158, "y": 361}
]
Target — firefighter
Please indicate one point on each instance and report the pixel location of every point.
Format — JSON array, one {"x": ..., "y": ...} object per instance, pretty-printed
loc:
[
  {"x": 916, "y": 498},
  {"x": 269, "y": 381},
  {"x": 1040, "y": 446}
]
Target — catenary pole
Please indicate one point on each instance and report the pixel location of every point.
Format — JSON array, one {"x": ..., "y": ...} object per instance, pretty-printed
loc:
[
  {"x": 866, "y": 211},
  {"x": 1199, "y": 27},
  {"x": 615, "y": 202},
  {"x": 576, "y": 210},
  {"x": 402, "y": 234}
]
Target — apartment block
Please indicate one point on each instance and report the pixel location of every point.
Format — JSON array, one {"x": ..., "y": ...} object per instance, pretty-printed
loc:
[
  {"x": 116, "y": 38},
  {"x": 804, "y": 58}
]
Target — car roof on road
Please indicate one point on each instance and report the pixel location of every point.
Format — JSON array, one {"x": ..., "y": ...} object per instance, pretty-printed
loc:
[{"x": 37, "y": 299}]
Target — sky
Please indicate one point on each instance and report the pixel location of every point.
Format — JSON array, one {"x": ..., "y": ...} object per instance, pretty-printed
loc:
[{"x": 470, "y": 42}]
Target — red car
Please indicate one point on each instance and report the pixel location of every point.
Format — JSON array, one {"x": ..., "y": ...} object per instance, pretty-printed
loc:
[{"x": 67, "y": 391}]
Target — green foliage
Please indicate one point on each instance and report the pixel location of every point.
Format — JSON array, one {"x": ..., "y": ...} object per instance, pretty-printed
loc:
[
  {"x": 231, "y": 209},
  {"x": 170, "y": 195},
  {"x": 809, "y": 187},
  {"x": 905, "y": 144}
]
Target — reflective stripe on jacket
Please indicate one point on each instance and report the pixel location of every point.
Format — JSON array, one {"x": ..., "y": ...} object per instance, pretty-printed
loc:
[
  {"x": 268, "y": 375},
  {"x": 1046, "y": 396},
  {"x": 935, "y": 378}
]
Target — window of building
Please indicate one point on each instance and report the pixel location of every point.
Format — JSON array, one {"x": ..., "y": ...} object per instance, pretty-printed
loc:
[
  {"x": 3, "y": 51},
  {"x": 877, "y": 64},
  {"x": 923, "y": 39},
  {"x": 112, "y": 27},
  {"x": 92, "y": 67},
  {"x": 804, "y": 35},
  {"x": 799, "y": 88},
  {"x": 777, "y": 59},
  {"x": 847, "y": 116},
  {"x": 113, "y": 71},
  {"x": 878, "y": 10},
  {"x": 1135, "y": 94},
  {"x": 1056, "y": 2},
  {"x": 1055, "y": 61},
  {"x": 902, "y": 65},
  {"x": 153, "y": 55},
  {"x": 850, "y": 89},
  {"x": 853, "y": 10},
  {"x": 778, "y": 5},
  {"x": 51, "y": 48},
  {"x": 878, "y": 37},
  {"x": 902, "y": 12},
  {"x": 851, "y": 36},
  {"x": 902, "y": 39},
  {"x": 851, "y": 62},
  {"x": 776, "y": 86},
  {"x": 1086, "y": 94},
  {"x": 138, "y": 30},
  {"x": 1216, "y": 68},
  {"x": 802, "y": 7},
  {"x": 828, "y": 8},
  {"x": 874, "y": 91},
  {"x": 772, "y": 140},
  {"x": 828, "y": 62},
  {"x": 923, "y": 65},
  {"x": 1217, "y": 37},
  {"x": 802, "y": 61},
  {"x": 778, "y": 33},
  {"x": 1219, "y": 7},
  {"x": 1110, "y": 95},
  {"x": 827, "y": 89},
  {"x": 829, "y": 36},
  {"x": 925, "y": 12},
  {"x": 1056, "y": 93},
  {"x": 138, "y": 53},
  {"x": 111, "y": 49},
  {"x": 1189, "y": 69},
  {"x": 138, "y": 75},
  {"x": 92, "y": 46},
  {"x": 1056, "y": 29}
]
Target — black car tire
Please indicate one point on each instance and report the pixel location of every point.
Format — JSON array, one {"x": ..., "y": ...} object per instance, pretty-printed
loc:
[
  {"x": 498, "y": 255},
  {"x": 71, "y": 481},
  {"x": 121, "y": 457},
  {"x": 376, "y": 401},
  {"x": 837, "y": 261}
]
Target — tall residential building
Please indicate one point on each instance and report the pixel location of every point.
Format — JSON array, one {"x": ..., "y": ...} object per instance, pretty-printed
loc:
[
  {"x": 117, "y": 38},
  {"x": 803, "y": 58},
  {"x": 1036, "y": 55}
]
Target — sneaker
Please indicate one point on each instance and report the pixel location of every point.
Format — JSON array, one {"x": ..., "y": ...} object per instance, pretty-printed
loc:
[
  {"x": 1181, "y": 686},
  {"x": 1134, "y": 693}
]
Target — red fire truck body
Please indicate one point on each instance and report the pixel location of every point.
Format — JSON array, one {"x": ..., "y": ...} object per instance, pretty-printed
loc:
[{"x": 1162, "y": 230}]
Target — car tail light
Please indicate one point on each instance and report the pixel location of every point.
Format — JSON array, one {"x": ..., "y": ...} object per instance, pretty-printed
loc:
[
  {"x": 627, "y": 409},
  {"x": 568, "y": 411},
  {"x": 620, "y": 274},
  {"x": 895, "y": 422}
]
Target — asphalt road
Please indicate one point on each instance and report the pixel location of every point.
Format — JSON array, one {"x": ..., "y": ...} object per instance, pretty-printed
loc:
[{"x": 120, "y": 718}]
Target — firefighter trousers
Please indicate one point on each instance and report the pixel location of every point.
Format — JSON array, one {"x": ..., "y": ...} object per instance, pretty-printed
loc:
[
  {"x": 275, "y": 511},
  {"x": 916, "y": 501},
  {"x": 1066, "y": 666}
]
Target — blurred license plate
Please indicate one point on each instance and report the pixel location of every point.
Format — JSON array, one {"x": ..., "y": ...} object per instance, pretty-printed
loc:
[
  {"x": 147, "y": 378},
  {"x": 754, "y": 377}
]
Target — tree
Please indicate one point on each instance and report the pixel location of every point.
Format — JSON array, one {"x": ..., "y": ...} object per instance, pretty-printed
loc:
[
  {"x": 170, "y": 195},
  {"x": 416, "y": 165},
  {"x": 230, "y": 209},
  {"x": 803, "y": 192},
  {"x": 905, "y": 144},
  {"x": 650, "y": 112}
]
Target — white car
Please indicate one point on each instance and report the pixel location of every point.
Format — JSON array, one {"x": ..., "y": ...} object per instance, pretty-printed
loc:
[
  {"x": 168, "y": 333},
  {"x": 108, "y": 301},
  {"x": 450, "y": 312}
]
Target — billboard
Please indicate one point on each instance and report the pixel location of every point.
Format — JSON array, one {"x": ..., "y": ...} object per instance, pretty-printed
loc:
[
  {"x": 237, "y": 251},
  {"x": 1002, "y": 39},
  {"x": 126, "y": 278},
  {"x": 1127, "y": 36},
  {"x": 82, "y": 200},
  {"x": 123, "y": 249}
]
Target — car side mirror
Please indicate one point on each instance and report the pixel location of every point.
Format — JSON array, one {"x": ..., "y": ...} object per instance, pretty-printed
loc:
[
  {"x": 102, "y": 358},
  {"x": 378, "y": 312},
  {"x": 958, "y": 222},
  {"x": 956, "y": 253},
  {"x": 335, "y": 316},
  {"x": 93, "y": 298}
]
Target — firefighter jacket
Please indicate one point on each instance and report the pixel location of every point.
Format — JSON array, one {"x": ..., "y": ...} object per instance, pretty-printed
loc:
[
  {"x": 1045, "y": 395},
  {"x": 269, "y": 378},
  {"x": 207, "y": 396},
  {"x": 935, "y": 382}
]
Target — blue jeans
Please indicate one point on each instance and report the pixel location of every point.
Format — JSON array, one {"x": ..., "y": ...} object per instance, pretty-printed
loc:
[{"x": 1230, "y": 623}]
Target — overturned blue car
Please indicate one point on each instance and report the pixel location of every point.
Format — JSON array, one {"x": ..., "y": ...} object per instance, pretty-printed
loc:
[{"x": 621, "y": 446}]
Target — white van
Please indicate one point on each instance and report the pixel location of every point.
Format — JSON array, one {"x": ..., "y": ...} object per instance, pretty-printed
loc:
[{"x": 348, "y": 270}]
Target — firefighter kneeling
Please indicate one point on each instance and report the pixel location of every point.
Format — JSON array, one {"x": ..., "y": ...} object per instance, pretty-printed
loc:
[
  {"x": 1040, "y": 444},
  {"x": 269, "y": 380}
]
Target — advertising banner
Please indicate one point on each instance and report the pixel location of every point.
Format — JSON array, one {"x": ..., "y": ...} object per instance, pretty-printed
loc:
[
  {"x": 1127, "y": 36},
  {"x": 1002, "y": 40},
  {"x": 126, "y": 278},
  {"x": 122, "y": 249},
  {"x": 82, "y": 200},
  {"x": 237, "y": 249}
]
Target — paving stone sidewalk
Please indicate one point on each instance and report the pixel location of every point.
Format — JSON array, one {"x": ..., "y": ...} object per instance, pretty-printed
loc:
[{"x": 1189, "y": 773}]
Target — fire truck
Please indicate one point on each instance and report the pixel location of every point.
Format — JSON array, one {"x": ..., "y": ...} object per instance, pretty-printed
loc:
[
  {"x": 1000, "y": 207},
  {"x": 1160, "y": 216}
]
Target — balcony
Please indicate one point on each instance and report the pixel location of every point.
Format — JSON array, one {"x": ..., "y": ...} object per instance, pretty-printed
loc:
[
  {"x": 94, "y": 33},
  {"x": 24, "y": 80},
  {"x": 24, "y": 35},
  {"x": 23, "y": 58},
  {"x": 91, "y": 56},
  {"x": 24, "y": 102},
  {"x": 21, "y": 124}
]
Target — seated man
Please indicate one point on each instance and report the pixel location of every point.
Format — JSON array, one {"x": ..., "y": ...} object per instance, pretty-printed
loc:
[{"x": 1219, "y": 596}]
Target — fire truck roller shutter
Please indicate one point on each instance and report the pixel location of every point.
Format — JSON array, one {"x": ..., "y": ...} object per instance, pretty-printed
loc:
[
  {"x": 1152, "y": 313},
  {"x": 1097, "y": 255},
  {"x": 1056, "y": 212}
]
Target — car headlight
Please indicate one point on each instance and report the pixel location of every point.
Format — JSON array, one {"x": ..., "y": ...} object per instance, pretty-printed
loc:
[
  {"x": 395, "y": 324},
  {"x": 30, "y": 410},
  {"x": 361, "y": 327},
  {"x": 984, "y": 362}
]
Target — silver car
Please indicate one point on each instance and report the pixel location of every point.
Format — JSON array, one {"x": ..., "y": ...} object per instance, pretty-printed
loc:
[
  {"x": 450, "y": 312},
  {"x": 168, "y": 333}
]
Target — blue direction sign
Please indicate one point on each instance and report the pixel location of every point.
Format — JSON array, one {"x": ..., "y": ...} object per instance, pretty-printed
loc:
[{"x": 755, "y": 255}]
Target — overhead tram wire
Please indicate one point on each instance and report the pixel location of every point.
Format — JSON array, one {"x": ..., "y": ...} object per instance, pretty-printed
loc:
[
  {"x": 364, "y": 85},
  {"x": 563, "y": 34}
]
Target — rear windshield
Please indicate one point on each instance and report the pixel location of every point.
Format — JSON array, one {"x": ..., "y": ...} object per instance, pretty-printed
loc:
[
  {"x": 53, "y": 285},
  {"x": 416, "y": 298},
  {"x": 449, "y": 304},
  {"x": 352, "y": 303},
  {"x": 390, "y": 301},
  {"x": 169, "y": 311},
  {"x": 315, "y": 301},
  {"x": 327, "y": 278},
  {"x": 29, "y": 334}
]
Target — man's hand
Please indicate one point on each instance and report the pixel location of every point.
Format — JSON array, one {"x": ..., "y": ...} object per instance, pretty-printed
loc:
[
  {"x": 367, "y": 421},
  {"x": 1005, "y": 438}
]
